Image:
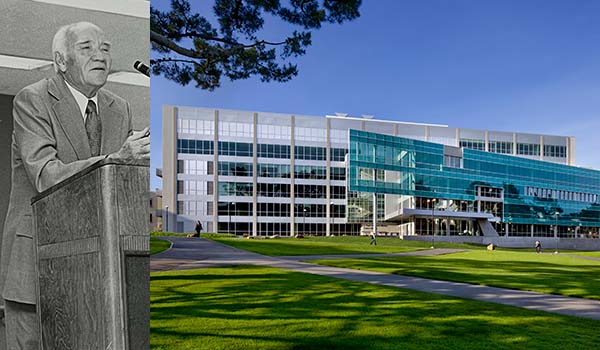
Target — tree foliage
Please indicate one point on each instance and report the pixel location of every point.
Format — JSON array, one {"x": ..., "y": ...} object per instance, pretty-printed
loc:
[{"x": 190, "y": 48}]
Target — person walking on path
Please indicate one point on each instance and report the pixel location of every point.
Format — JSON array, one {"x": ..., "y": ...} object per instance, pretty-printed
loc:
[
  {"x": 538, "y": 247},
  {"x": 198, "y": 229},
  {"x": 373, "y": 239}
]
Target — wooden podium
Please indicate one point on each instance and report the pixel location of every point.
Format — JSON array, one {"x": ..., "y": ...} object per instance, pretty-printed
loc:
[{"x": 92, "y": 245}]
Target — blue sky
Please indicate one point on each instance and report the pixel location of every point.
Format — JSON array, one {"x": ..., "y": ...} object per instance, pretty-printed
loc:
[{"x": 529, "y": 66}]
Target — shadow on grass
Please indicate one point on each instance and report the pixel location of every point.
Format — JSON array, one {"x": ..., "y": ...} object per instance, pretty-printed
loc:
[{"x": 265, "y": 308}]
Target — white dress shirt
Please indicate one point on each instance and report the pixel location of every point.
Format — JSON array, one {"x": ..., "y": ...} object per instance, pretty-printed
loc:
[{"x": 82, "y": 100}]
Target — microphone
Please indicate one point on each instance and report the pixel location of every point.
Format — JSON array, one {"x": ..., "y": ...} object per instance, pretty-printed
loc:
[{"x": 142, "y": 68}]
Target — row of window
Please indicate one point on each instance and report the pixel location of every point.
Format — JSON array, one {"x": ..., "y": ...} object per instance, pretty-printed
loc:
[
  {"x": 560, "y": 194},
  {"x": 278, "y": 170},
  {"x": 281, "y": 132},
  {"x": 244, "y": 149},
  {"x": 279, "y": 190},
  {"x": 506, "y": 147},
  {"x": 280, "y": 210}
]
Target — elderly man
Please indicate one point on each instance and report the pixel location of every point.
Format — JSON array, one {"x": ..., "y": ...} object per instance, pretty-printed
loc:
[{"x": 61, "y": 126}]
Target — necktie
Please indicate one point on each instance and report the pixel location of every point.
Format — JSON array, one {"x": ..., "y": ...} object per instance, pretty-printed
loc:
[{"x": 93, "y": 127}]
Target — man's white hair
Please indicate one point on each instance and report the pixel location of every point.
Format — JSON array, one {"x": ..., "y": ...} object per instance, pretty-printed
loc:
[{"x": 60, "y": 43}]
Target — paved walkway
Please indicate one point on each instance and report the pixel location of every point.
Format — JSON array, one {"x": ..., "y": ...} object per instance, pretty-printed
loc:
[
  {"x": 424, "y": 252},
  {"x": 189, "y": 253},
  {"x": 583, "y": 257}
]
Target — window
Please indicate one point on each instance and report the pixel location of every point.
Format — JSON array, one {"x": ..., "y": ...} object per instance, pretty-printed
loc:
[
  {"x": 310, "y": 172},
  {"x": 273, "y": 190},
  {"x": 277, "y": 132},
  {"x": 310, "y": 153},
  {"x": 310, "y": 191},
  {"x": 311, "y": 134},
  {"x": 338, "y": 173},
  {"x": 195, "y": 146},
  {"x": 338, "y": 154},
  {"x": 473, "y": 144},
  {"x": 273, "y": 151},
  {"x": 192, "y": 167},
  {"x": 197, "y": 127},
  {"x": 452, "y": 161},
  {"x": 235, "y": 189},
  {"x": 273, "y": 209},
  {"x": 273, "y": 170},
  {"x": 503, "y": 147},
  {"x": 235, "y": 129},
  {"x": 235, "y": 208},
  {"x": 555, "y": 151},
  {"x": 235, "y": 169},
  {"x": 239, "y": 149},
  {"x": 528, "y": 149}
]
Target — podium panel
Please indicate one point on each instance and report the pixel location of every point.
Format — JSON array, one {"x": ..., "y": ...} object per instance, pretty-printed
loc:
[{"x": 92, "y": 241}]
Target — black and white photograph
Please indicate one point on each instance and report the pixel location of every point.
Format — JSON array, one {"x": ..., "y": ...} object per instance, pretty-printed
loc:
[{"x": 74, "y": 155}]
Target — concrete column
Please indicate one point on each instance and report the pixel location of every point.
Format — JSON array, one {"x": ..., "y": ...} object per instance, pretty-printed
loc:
[
  {"x": 255, "y": 175},
  {"x": 169, "y": 148},
  {"x": 427, "y": 133},
  {"x": 292, "y": 176},
  {"x": 216, "y": 174},
  {"x": 375, "y": 211},
  {"x": 486, "y": 139},
  {"x": 531, "y": 230},
  {"x": 328, "y": 179},
  {"x": 541, "y": 147},
  {"x": 514, "y": 144},
  {"x": 570, "y": 151}
]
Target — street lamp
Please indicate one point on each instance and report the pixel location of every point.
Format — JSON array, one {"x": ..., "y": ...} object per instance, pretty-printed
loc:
[
  {"x": 331, "y": 217},
  {"x": 304, "y": 219},
  {"x": 556, "y": 230},
  {"x": 167, "y": 218}
]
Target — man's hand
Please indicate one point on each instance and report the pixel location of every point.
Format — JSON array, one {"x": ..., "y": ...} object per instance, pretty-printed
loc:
[{"x": 136, "y": 147}]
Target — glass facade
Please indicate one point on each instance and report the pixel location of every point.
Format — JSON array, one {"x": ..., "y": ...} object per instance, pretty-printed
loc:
[{"x": 532, "y": 192}]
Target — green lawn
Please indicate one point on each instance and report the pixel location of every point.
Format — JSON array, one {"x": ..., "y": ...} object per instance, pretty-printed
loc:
[
  {"x": 330, "y": 245},
  {"x": 545, "y": 273},
  {"x": 262, "y": 308},
  {"x": 158, "y": 245}
]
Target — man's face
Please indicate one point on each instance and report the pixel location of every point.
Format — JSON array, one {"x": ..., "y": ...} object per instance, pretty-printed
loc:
[{"x": 88, "y": 59}]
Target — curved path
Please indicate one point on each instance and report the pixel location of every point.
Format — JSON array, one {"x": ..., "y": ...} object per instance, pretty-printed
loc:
[{"x": 189, "y": 253}]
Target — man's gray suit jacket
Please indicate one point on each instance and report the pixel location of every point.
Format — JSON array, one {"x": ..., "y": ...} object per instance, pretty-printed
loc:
[{"x": 49, "y": 145}]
